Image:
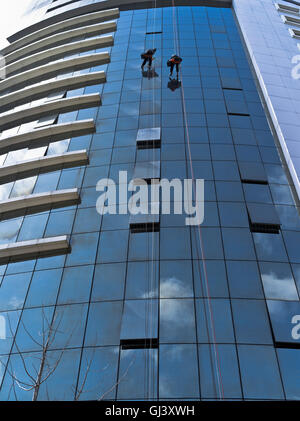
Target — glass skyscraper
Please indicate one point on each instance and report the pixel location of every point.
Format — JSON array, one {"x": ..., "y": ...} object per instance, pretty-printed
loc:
[{"x": 114, "y": 306}]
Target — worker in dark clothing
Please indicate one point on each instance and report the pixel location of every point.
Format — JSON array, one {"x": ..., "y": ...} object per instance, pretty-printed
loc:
[
  {"x": 148, "y": 57},
  {"x": 172, "y": 62}
]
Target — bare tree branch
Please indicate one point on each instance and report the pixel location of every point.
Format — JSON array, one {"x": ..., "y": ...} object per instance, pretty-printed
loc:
[
  {"x": 14, "y": 377},
  {"x": 119, "y": 381},
  {"x": 14, "y": 390},
  {"x": 89, "y": 363},
  {"x": 38, "y": 374},
  {"x": 29, "y": 334},
  {"x": 23, "y": 362},
  {"x": 54, "y": 368}
]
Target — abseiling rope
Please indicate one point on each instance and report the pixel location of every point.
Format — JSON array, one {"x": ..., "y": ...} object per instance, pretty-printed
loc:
[
  {"x": 153, "y": 272},
  {"x": 149, "y": 369},
  {"x": 211, "y": 318}
]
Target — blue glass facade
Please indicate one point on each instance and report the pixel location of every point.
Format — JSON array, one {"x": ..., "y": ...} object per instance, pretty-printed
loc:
[{"x": 218, "y": 312}]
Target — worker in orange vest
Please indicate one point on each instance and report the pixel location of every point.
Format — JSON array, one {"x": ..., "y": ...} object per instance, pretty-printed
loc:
[{"x": 172, "y": 62}]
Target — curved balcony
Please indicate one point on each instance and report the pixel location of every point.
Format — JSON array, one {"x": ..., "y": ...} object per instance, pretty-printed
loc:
[
  {"x": 41, "y": 137},
  {"x": 57, "y": 53},
  {"x": 60, "y": 39},
  {"x": 65, "y": 25},
  {"x": 33, "y": 249},
  {"x": 84, "y": 6},
  {"x": 43, "y": 89},
  {"x": 36, "y": 66},
  {"x": 15, "y": 118},
  {"x": 48, "y": 71},
  {"x": 32, "y": 167},
  {"x": 34, "y": 203}
]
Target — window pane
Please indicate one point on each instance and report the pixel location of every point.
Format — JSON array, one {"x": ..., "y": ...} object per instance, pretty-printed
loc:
[
  {"x": 251, "y": 322},
  {"x": 140, "y": 318},
  {"x": 104, "y": 324},
  {"x": 214, "y": 321},
  {"x": 84, "y": 248},
  {"x": 269, "y": 247},
  {"x": 60, "y": 223},
  {"x": 238, "y": 244},
  {"x": 9, "y": 230},
  {"x": 109, "y": 282},
  {"x": 16, "y": 366},
  {"x": 87, "y": 220},
  {"x": 9, "y": 323},
  {"x": 258, "y": 193},
  {"x": 260, "y": 213},
  {"x": 244, "y": 280},
  {"x": 259, "y": 371},
  {"x": 13, "y": 291},
  {"x": 44, "y": 288},
  {"x": 175, "y": 243},
  {"x": 113, "y": 246},
  {"x": 60, "y": 385},
  {"x": 138, "y": 374},
  {"x": 76, "y": 285},
  {"x": 143, "y": 246},
  {"x": 142, "y": 280},
  {"x": 210, "y": 374},
  {"x": 177, "y": 321},
  {"x": 215, "y": 273},
  {"x": 278, "y": 281},
  {"x": 211, "y": 240},
  {"x": 98, "y": 373},
  {"x": 68, "y": 326},
  {"x": 34, "y": 329},
  {"x": 178, "y": 367},
  {"x": 226, "y": 171},
  {"x": 289, "y": 217},
  {"x": 292, "y": 241},
  {"x": 230, "y": 191},
  {"x": 281, "y": 194},
  {"x": 233, "y": 215},
  {"x": 284, "y": 317},
  {"x": 33, "y": 227},
  {"x": 176, "y": 279},
  {"x": 253, "y": 171},
  {"x": 289, "y": 362}
]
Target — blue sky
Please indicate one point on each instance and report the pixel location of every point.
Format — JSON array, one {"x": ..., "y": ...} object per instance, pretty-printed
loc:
[{"x": 11, "y": 12}]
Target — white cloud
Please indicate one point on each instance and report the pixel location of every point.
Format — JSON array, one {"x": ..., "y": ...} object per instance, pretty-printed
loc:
[
  {"x": 10, "y": 18},
  {"x": 282, "y": 288},
  {"x": 173, "y": 287}
]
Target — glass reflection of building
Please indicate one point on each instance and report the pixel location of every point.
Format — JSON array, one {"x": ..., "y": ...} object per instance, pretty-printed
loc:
[{"x": 150, "y": 314}]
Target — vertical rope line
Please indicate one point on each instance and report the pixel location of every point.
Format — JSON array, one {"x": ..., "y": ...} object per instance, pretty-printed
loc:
[
  {"x": 217, "y": 359},
  {"x": 152, "y": 299},
  {"x": 146, "y": 370}
]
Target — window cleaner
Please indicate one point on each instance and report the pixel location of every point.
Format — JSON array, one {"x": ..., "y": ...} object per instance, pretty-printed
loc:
[
  {"x": 172, "y": 62},
  {"x": 148, "y": 57}
]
